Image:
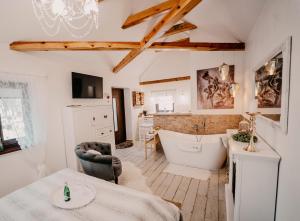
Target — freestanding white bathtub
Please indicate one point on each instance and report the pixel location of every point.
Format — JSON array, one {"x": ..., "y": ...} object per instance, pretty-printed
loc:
[{"x": 200, "y": 151}]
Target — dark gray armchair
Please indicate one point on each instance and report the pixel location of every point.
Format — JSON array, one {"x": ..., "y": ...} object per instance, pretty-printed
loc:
[{"x": 103, "y": 166}]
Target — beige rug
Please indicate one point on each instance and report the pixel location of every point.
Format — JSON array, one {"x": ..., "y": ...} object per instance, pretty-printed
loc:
[
  {"x": 192, "y": 172},
  {"x": 132, "y": 177}
]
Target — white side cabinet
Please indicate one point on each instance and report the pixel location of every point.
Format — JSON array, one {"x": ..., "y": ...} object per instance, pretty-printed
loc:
[
  {"x": 86, "y": 124},
  {"x": 252, "y": 188},
  {"x": 145, "y": 126}
]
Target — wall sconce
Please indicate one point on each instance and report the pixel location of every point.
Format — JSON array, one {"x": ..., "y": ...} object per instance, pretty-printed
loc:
[
  {"x": 257, "y": 89},
  {"x": 271, "y": 67},
  {"x": 234, "y": 88},
  {"x": 224, "y": 71}
]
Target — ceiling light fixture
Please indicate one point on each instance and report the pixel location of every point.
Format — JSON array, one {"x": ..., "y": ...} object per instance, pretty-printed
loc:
[
  {"x": 79, "y": 17},
  {"x": 257, "y": 89}
]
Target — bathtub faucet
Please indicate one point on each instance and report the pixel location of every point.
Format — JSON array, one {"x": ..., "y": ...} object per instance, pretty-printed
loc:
[
  {"x": 196, "y": 128},
  {"x": 204, "y": 125}
]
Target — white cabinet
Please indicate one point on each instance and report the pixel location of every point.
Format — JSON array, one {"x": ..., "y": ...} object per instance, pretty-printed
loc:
[
  {"x": 102, "y": 117},
  {"x": 251, "y": 192},
  {"x": 86, "y": 124}
]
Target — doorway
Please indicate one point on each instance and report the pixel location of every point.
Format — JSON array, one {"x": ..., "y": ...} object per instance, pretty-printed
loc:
[{"x": 119, "y": 115}]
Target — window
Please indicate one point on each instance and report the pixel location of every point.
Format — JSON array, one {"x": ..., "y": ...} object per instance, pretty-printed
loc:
[
  {"x": 15, "y": 113},
  {"x": 12, "y": 121},
  {"x": 164, "y": 100}
]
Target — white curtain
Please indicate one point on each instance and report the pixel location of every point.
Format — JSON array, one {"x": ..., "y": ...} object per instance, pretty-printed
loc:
[
  {"x": 15, "y": 112},
  {"x": 32, "y": 92}
]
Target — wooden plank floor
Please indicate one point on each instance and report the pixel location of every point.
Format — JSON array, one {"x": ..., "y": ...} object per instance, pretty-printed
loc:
[{"x": 201, "y": 200}]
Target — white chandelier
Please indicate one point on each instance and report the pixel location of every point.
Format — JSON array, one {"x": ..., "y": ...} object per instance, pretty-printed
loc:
[{"x": 79, "y": 17}]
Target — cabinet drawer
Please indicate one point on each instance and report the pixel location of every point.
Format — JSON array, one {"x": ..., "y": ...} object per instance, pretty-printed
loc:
[
  {"x": 104, "y": 132},
  {"x": 102, "y": 117}
]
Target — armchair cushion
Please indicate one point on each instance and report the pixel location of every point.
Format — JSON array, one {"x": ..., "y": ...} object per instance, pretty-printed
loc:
[
  {"x": 94, "y": 152},
  {"x": 104, "y": 165},
  {"x": 103, "y": 148},
  {"x": 83, "y": 154}
]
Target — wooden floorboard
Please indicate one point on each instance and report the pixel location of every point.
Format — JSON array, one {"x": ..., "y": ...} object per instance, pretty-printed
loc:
[
  {"x": 156, "y": 173},
  {"x": 199, "y": 208},
  {"x": 156, "y": 184},
  {"x": 170, "y": 193},
  {"x": 183, "y": 188},
  {"x": 189, "y": 201},
  {"x": 164, "y": 185},
  {"x": 154, "y": 167},
  {"x": 201, "y": 200}
]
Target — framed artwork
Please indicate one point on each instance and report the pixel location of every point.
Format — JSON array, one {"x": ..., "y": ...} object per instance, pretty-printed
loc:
[
  {"x": 212, "y": 91},
  {"x": 268, "y": 80}
]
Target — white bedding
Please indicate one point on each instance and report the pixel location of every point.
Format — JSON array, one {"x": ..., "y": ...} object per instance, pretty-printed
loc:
[{"x": 112, "y": 202}]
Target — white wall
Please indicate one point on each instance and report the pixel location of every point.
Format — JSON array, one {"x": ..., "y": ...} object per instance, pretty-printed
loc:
[
  {"x": 278, "y": 20},
  {"x": 176, "y": 64},
  {"x": 21, "y": 167},
  {"x": 169, "y": 65},
  {"x": 131, "y": 115}
]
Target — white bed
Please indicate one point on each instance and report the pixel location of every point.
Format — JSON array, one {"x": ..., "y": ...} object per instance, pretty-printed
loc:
[{"x": 112, "y": 202}]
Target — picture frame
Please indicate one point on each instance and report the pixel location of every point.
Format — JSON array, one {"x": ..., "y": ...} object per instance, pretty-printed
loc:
[{"x": 285, "y": 48}]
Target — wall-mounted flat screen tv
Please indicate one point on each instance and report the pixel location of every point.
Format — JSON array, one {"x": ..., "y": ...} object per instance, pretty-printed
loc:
[{"x": 86, "y": 86}]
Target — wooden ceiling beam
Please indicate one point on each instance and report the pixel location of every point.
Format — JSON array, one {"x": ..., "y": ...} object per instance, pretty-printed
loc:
[
  {"x": 183, "y": 40},
  {"x": 197, "y": 46},
  {"x": 182, "y": 44},
  {"x": 147, "y": 13},
  {"x": 184, "y": 78},
  {"x": 172, "y": 17},
  {"x": 72, "y": 45},
  {"x": 179, "y": 28}
]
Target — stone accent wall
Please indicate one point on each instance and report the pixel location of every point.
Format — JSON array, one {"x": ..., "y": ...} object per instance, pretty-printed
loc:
[{"x": 214, "y": 124}]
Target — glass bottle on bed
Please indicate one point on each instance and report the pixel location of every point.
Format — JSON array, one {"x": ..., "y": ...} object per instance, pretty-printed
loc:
[
  {"x": 67, "y": 195},
  {"x": 1, "y": 145}
]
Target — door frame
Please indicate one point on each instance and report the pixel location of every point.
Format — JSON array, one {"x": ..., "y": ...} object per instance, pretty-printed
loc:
[
  {"x": 130, "y": 131},
  {"x": 121, "y": 114}
]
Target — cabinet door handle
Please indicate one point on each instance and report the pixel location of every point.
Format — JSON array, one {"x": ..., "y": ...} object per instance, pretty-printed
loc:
[
  {"x": 94, "y": 118},
  {"x": 102, "y": 133},
  {"x": 105, "y": 116}
]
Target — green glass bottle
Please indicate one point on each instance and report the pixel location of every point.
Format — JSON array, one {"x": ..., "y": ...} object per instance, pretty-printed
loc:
[
  {"x": 67, "y": 194},
  {"x": 1, "y": 145}
]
